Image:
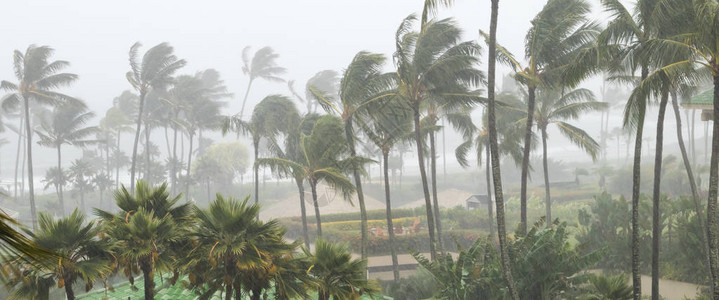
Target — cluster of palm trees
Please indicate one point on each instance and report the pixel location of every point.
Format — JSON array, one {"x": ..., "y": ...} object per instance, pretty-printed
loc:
[{"x": 222, "y": 249}]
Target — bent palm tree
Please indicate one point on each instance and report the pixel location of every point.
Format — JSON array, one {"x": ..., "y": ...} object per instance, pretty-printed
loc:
[
  {"x": 65, "y": 126},
  {"x": 336, "y": 273},
  {"x": 263, "y": 66},
  {"x": 153, "y": 72},
  {"x": 38, "y": 78}
]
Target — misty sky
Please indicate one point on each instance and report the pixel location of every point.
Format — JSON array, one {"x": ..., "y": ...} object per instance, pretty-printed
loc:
[{"x": 310, "y": 36}]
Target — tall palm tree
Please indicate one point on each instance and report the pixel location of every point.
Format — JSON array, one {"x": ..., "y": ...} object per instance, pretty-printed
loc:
[
  {"x": 434, "y": 64},
  {"x": 56, "y": 178},
  {"x": 38, "y": 78},
  {"x": 262, "y": 65},
  {"x": 324, "y": 152},
  {"x": 119, "y": 118},
  {"x": 337, "y": 274},
  {"x": 82, "y": 254},
  {"x": 494, "y": 151},
  {"x": 362, "y": 84},
  {"x": 235, "y": 241},
  {"x": 553, "y": 109},
  {"x": 152, "y": 72},
  {"x": 325, "y": 81},
  {"x": 80, "y": 174},
  {"x": 391, "y": 123},
  {"x": 66, "y": 125},
  {"x": 149, "y": 230},
  {"x": 270, "y": 118}
]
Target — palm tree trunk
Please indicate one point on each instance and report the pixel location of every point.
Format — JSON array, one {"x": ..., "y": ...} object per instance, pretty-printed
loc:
[
  {"x": 692, "y": 182},
  {"x": 59, "y": 190},
  {"x": 488, "y": 175},
  {"x": 228, "y": 292},
  {"x": 68, "y": 288},
  {"x": 149, "y": 281},
  {"x": 21, "y": 132},
  {"x": 134, "y": 145},
  {"x": 148, "y": 166},
  {"x": 117, "y": 165},
  {"x": 173, "y": 173},
  {"x": 636, "y": 181},
  {"x": 313, "y": 186},
  {"x": 189, "y": 166},
  {"x": 433, "y": 170},
  {"x": 256, "y": 293},
  {"x": 301, "y": 189},
  {"x": 496, "y": 172},
  {"x": 444, "y": 153},
  {"x": 358, "y": 184},
  {"x": 656, "y": 214},
  {"x": 525, "y": 160},
  {"x": 547, "y": 196},
  {"x": 713, "y": 189},
  {"x": 423, "y": 175},
  {"x": 390, "y": 226},
  {"x": 31, "y": 184},
  {"x": 244, "y": 101},
  {"x": 256, "y": 144}
]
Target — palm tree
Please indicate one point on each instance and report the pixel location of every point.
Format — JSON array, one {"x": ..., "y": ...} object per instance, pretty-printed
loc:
[
  {"x": 271, "y": 117},
  {"x": 119, "y": 118},
  {"x": 325, "y": 81},
  {"x": 153, "y": 72},
  {"x": 391, "y": 123},
  {"x": 56, "y": 178},
  {"x": 323, "y": 152},
  {"x": 510, "y": 137},
  {"x": 149, "y": 230},
  {"x": 81, "y": 173},
  {"x": 433, "y": 64},
  {"x": 66, "y": 125},
  {"x": 235, "y": 241},
  {"x": 362, "y": 84},
  {"x": 556, "y": 107},
  {"x": 83, "y": 255},
  {"x": 38, "y": 78},
  {"x": 337, "y": 275},
  {"x": 263, "y": 66},
  {"x": 494, "y": 151}
]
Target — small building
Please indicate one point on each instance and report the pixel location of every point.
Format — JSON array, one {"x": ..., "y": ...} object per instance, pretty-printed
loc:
[
  {"x": 703, "y": 101},
  {"x": 477, "y": 202}
]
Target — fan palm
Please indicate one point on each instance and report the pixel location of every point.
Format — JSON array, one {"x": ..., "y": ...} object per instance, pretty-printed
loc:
[
  {"x": 323, "y": 160},
  {"x": 433, "y": 65},
  {"x": 66, "y": 125},
  {"x": 152, "y": 72},
  {"x": 81, "y": 253},
  {"x": 362, "y": 84},
  {"x": 262, "y": 65},
  {"x": 38, "y": 78},
  {"x": 149, "y": 230},
  {"x": 337, "y": 274},
  {"x": 553, "y": 109},
  {"x": 270, "y": 118}
]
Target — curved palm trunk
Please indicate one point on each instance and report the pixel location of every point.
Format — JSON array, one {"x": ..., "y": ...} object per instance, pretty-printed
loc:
[
  {"x": 525, "y": 159},
  {"x": 148, "y": 278},
  {"x": 358, "y": 184},
  {"x": 301, "y": 188},
  {"x": 712, "y": 213},
  {"x": 21, "y": 132},
  {"x": 656, "y": 214},
  {"x": 433, "y": 170},
  {"x": 496, "y": 172},
  {"x": 134, "y": 145},
  {"x": 28, "y": 130},
  {"x": 692, "y": 182},
  {"x": 547, "y": 196},
  {"x": 488, "y": 175},
  {"x": 244, "y": 101},
  {"x": 636, "y": 181},
  {"x": 425, "y": 187},
  {"x": 390, "y": 225},
  {"x": 59, "y": 186},
  {"x": 313, "y": 186}
]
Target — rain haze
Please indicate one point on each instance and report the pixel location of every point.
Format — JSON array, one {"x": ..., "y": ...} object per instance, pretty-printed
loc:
[{"x": 326, "y": 149}]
